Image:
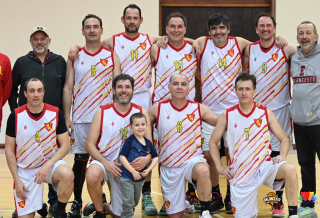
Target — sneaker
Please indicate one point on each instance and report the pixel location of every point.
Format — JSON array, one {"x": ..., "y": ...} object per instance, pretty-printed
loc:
[
  {"x": 278, "y": 210},
  {"x": 307, "y": 213},
  {"x": 189, "y": 208},
  {"x": 162, "y": 211},
  {"x": 14, "y": 214},
  {"x": 76, "y": 210},
  {"x": 148, "y": 207},
  {"x": 60, "y": 214},
  {"x": 52, "y": 209},
  {"x": 205, "y": 214},
  {"x": 43, "y": 212},
  {"x": 89, "y": 208},
  {"x": 192, "y": 198},
  {"x": 216, "y": 202},
  {"x": 99, "y": 215},
  {"x": 227, "y": 204}
]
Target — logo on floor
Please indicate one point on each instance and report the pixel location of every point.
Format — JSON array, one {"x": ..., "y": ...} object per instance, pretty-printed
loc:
[{"x": 271, "y": 198}]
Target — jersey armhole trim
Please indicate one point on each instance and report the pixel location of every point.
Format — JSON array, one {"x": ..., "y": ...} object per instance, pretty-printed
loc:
[
  {"x": 155, "y": 64},
  {"x": 156, "y": 124}
]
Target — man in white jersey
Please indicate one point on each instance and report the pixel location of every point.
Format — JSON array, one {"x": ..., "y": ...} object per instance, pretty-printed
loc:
[
  {"x": 36, "y": 142},
  {"x": 108, "y": 132},
  {"x": 178, "y": 121},
  {"x": 271, "y": 66},
  {"x": 250, "y": 165},
  {"x": 89, "y": 79}
]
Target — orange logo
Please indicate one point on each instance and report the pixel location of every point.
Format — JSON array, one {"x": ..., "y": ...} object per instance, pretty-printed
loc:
[
  {"x": 72, "y": 141},
  {"x": 0, "y": 71},
  {"x": 155, "y": 142},
  {"x": 148, "y": 152},
  {"x": 234, "y": 210},
  {"x": 231, "y": 52},
  {"x": 190, "y": 117},
  {"x": 258, "y": 122},
  {"x": 202, "y": 140},
  {"x": 22, "y": 204},
  {"x": 167, "y": 203},
  {"x": 274, "y": 57},
  {"x": 48, "y": 126},
  {"x": 143, "y": 45},
  {"x": 104, "y": 62},
  {"x": 188, "y": 57}
]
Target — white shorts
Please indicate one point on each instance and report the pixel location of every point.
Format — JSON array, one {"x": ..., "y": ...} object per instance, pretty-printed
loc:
[
  {"x": 206, "y": 133},
  {"x": 173, "y": 184},
  {"x": 142, "y": 99},
  {"x": 79, "y": 137},
  {"x": 35, "y": 194},
  {"x": 241, "y": 197},
  {"x": 116, "y": 196},
  {"x": 283, "y": 117}
]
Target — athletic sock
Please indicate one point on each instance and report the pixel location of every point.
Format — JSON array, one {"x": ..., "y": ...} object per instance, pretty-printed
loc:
[
  {"x": 190, "y": 188},
  {"x": 205, "y": 205},
  {"x": 293, "y": 210},
  {"x": 61, "y": 206},
  {"x": 279, "y": 195},
  {"x": 79, "y": 170},
  {"x": 146, "y": 187}
]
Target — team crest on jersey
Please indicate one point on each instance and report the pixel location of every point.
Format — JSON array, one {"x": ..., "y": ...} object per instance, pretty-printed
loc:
[
  {"x": 275, "y": 57},
  {"x": 202, "y": 140},
  {"x": 37, "y": 137},
  {"x": 190, "y": 117},
  {"x": 143, "y": 45},
  {"x": 22, "y": 204},
  {"x": 188, "y": 57},
  {"x": 148, "y": 152},
  {"x": 234, "y": 210},
  {"x": 167, "y": 203},
  {"x": 231, "y": 52},
  {"x": 104, "y": 62},
  {"x": 72, "y": 141},
  {"x": 48, "y": 126},
  {"x": 258, "y": 122}
]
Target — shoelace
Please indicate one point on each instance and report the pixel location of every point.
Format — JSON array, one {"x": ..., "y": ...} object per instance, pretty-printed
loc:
[{"x": 276, "y": 206}]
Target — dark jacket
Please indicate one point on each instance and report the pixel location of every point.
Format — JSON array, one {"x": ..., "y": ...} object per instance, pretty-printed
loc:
[{"x": 52, "y": 74}]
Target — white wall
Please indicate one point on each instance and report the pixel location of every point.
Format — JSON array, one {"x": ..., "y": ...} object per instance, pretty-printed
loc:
[{"x": 63, "y": 20}]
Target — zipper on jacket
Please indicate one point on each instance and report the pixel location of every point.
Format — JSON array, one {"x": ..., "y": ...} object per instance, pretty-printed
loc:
[{"x": 42, "y": 73}]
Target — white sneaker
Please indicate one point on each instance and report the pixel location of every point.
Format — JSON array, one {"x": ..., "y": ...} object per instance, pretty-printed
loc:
[
  {"x": 205, "y": 214},
  {"x": 294, "y": 216},
  {"x": 189, "y": 208}
]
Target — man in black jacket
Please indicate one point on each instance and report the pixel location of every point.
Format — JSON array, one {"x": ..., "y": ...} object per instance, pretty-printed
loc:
[{"x": 50, "y": 68}]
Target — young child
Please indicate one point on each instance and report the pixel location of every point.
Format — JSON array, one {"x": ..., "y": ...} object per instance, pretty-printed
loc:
[{"x": 131, "y": 181}]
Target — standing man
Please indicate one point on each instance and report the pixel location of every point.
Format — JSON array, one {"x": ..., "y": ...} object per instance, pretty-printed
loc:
[
  {"x": 178, "y": 121},
  {"x": 50, "y": 68},
  {"x": 306, "y": 104},
  {"x": 270, "y": 65},
  {"x": 36, "y": 142},
  {"x": 88, "y": 80},
  {"x": 108, "y": 132}
]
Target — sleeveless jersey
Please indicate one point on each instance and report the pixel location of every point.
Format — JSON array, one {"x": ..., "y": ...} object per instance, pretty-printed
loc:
[
  {"x": 219, "y": 70},
  {"x": 92, "y": 83},
  {"x": 179, "y": 132},
  {"x": 271, "y": 69},
  {"x": 171, "y": 61},
  {"x": 114, "y": 130},
  {"x": 36, "y": 140},
  {"x": 134, "y": 55},
  {"x": 248, "y": 139}
]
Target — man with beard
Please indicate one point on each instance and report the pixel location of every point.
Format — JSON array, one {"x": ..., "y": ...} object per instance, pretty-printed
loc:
[
  {"x": 271, "y": 65},
  {"x": 50, "y": 68},
  {"x": 108, "y": 132},
  {"x": 88, "y": 85}
]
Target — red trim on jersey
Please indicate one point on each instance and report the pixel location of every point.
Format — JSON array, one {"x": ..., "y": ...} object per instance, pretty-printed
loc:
[
  {"x": 249, "y": 114},
  {"x": 148, "y": 39},
  {"x": 85, "y": 51},
  {"x": 178, "y": 49},
  {"x": 266, "y": 111},
  {"x": 229, "y": 110},
  {"x": 266, "y": 50},
  {"x": 137, "y": 107},
  {"x": 157, "y": 121},
  {"x": 229, "y": 37},
  {"x": 131, "y": 39},
  {"x": 249, "y": 57},
  {"x": 73, "y": 64},
  {"x": 114, "y": 41},
  {"x": 154, "y": 85},
  {"x": 155, "y": 64},
  {"x": 199, "y": 114},
  {"x": 103, "y": 108},
  {"x": 177, "y": 109},
  {"x": 112, "y": 60},
  {"x": 204, "y": 47},
  {"x": 41, "y": 115},
  {"x": 235, "y": 39}
]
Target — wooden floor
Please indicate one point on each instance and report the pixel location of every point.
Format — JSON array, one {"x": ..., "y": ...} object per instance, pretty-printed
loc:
[{"x": 7, "y": 203}]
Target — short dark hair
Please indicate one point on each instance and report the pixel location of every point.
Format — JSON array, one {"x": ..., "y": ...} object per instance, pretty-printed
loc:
[
  {"x": 91, "y": 16},
  {"x": 217, "y": 19},
  {"x": 245, "y": 77},
  {"x": 122, "y": 77},
  {"x": 308, "y": 22},
  {"x": 136, "y": 116},
  {"x": 266, "y": 15},
  {"x": 176, "y": 14},
  {"x": 32, "y": 79},
  {"x": 132, "y": 6}
]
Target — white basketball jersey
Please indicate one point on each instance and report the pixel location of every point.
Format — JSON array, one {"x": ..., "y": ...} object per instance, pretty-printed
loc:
[
  {"x": 172, "y": 61},
  {"x": 114, "y": 130},
  {"x": 271, "y": 69},
  {"x": 134, "y": 55},
  {"x": 179, "y": 132},
  {"x": 248, "y": 139},
  {"x": 92, "y": 83},
  {"x": 36, "y": 140},
  {"x": 219, "y": 70}
]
